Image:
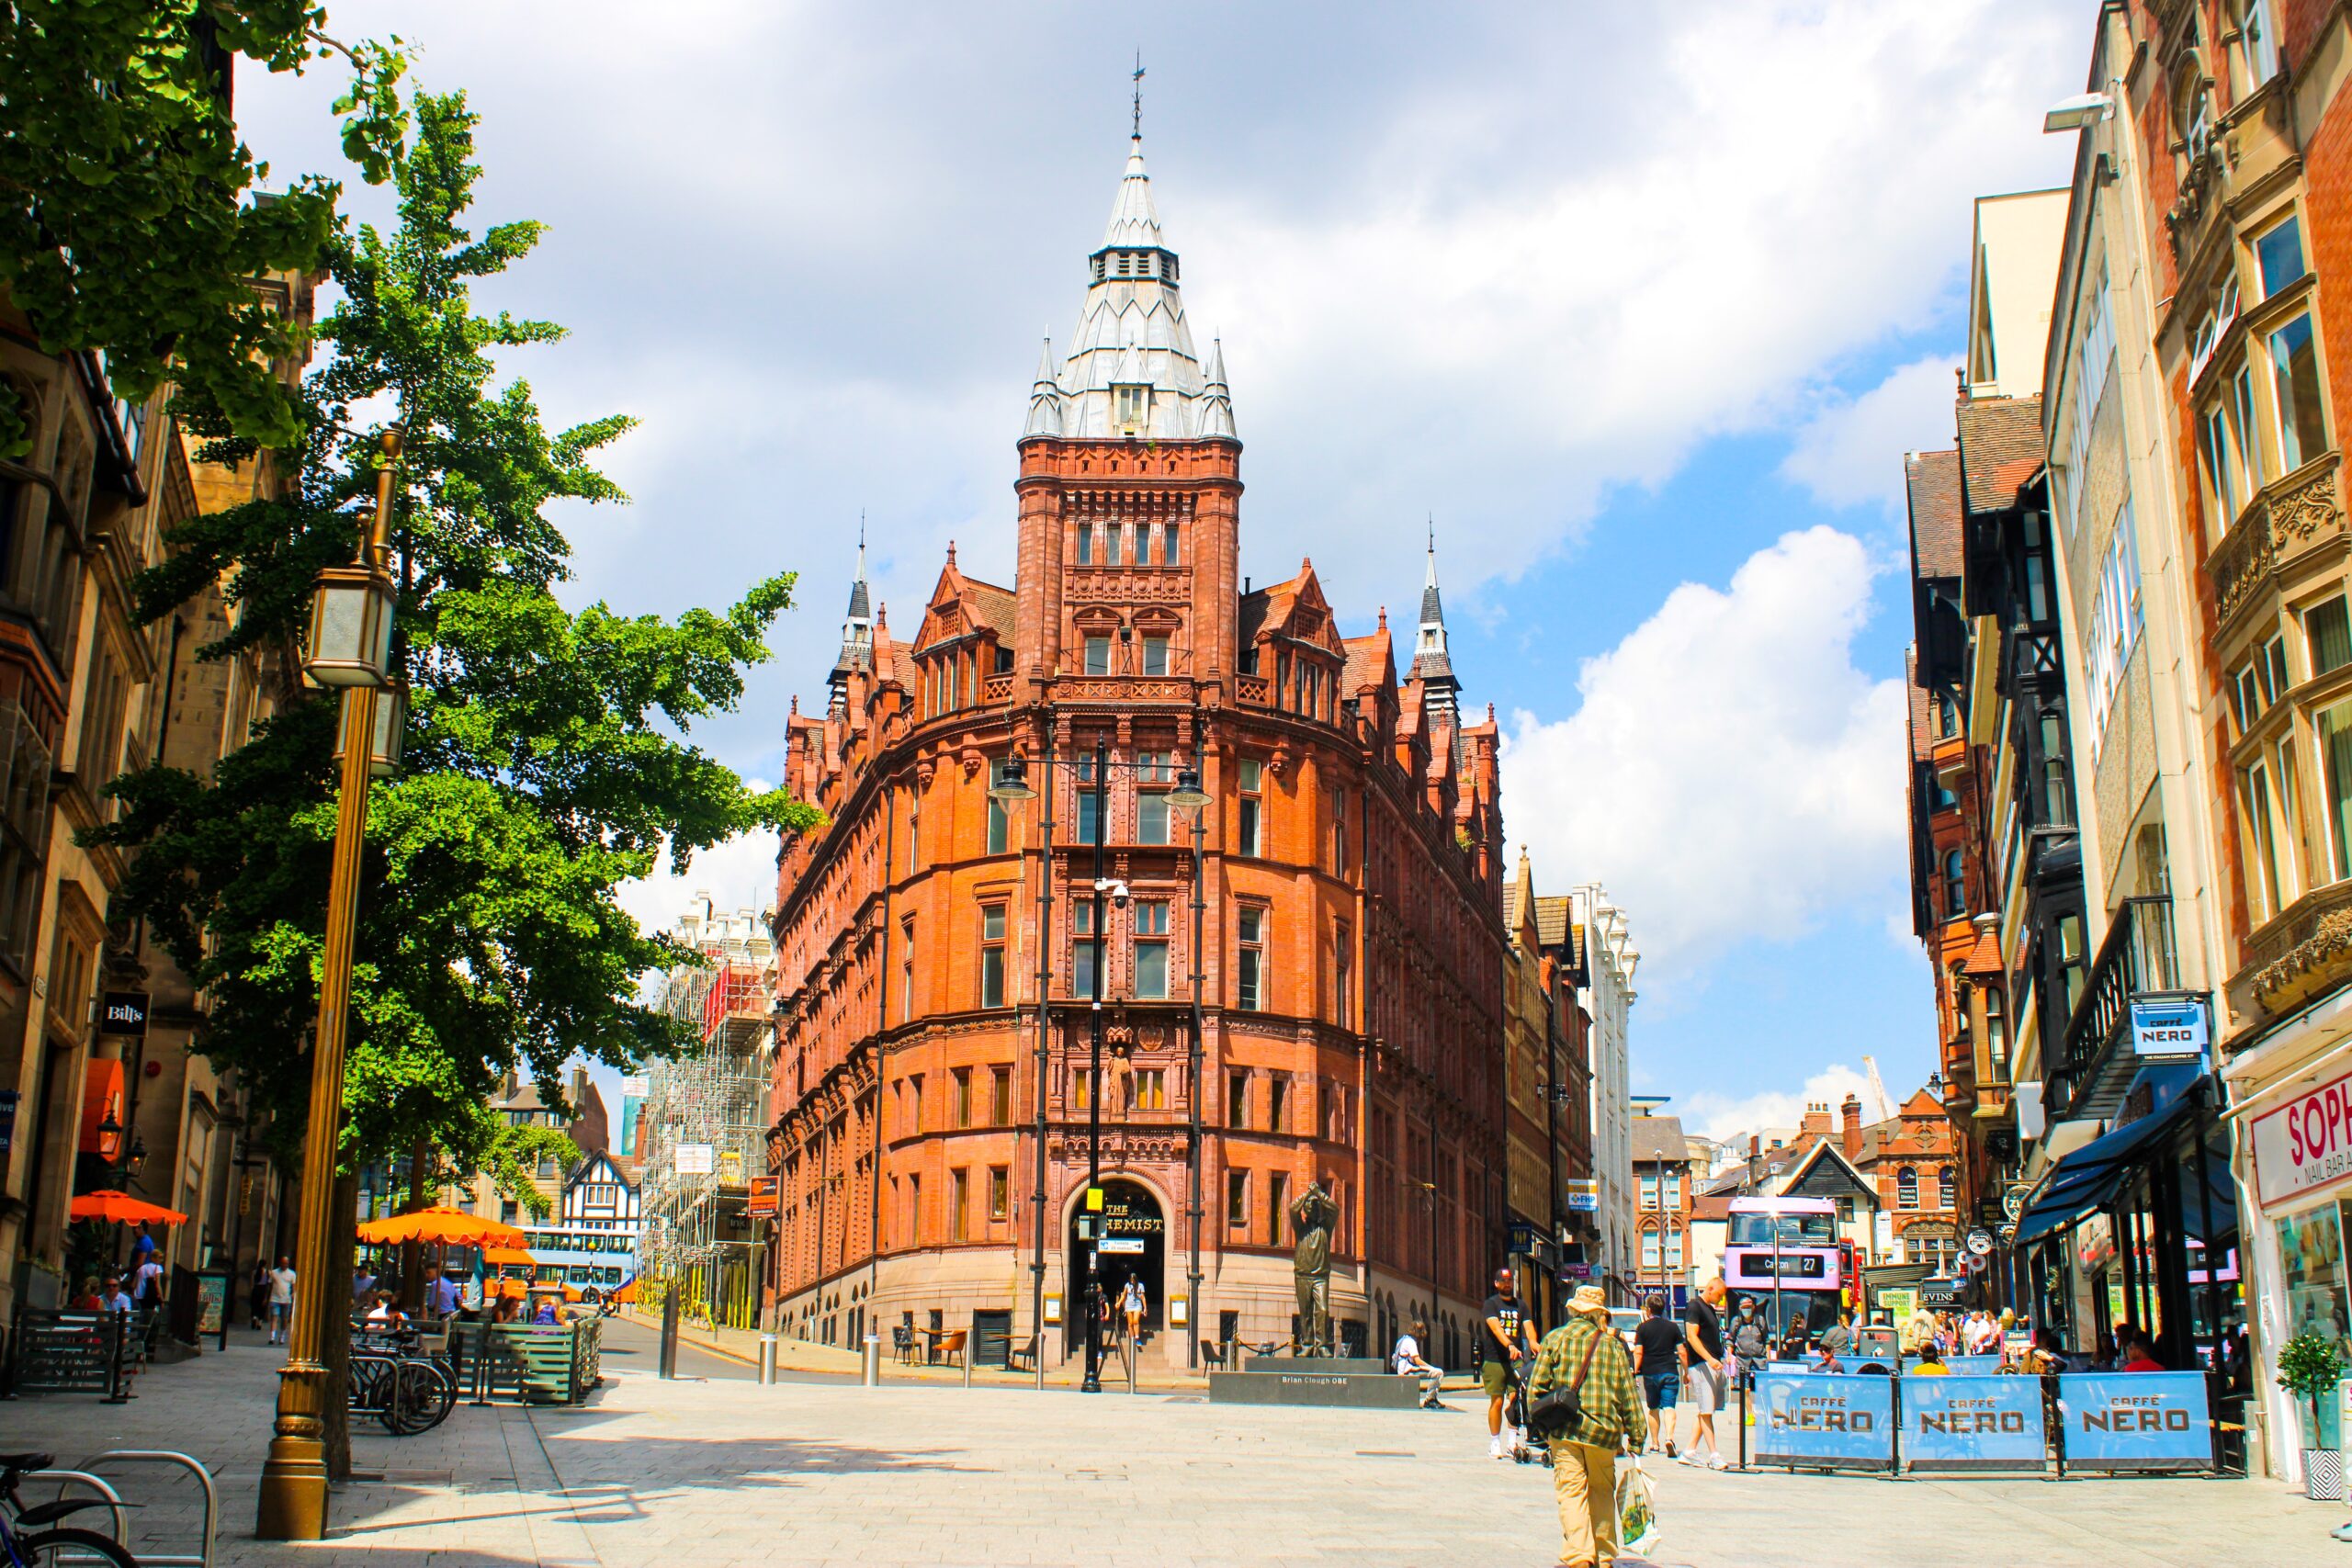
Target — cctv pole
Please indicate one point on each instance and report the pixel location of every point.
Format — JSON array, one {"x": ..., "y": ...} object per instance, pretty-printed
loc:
[{"x": 1094, "y": 1383}]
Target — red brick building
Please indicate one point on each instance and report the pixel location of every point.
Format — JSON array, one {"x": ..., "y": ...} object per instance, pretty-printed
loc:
[{"x": 1352, "y": 943}]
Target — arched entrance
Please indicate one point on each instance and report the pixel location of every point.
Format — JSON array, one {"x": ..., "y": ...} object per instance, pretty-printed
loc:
[{"x": 1132, "y": 1231}]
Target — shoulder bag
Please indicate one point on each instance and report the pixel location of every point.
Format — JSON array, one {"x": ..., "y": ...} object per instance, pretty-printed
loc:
[{"x": 1561, "y": 1412}]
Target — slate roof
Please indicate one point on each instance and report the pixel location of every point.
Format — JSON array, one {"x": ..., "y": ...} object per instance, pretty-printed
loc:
[
  {"x": 1932, "y": 481},
  {"x": 1659, "y": 1138},
  {"x": 2000, "y": 450}
]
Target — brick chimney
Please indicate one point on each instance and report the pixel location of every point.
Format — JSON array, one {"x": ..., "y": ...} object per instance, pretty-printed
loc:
[
  {"x": 1850, "y": 1135},
  {"x": 1816, "y": 1122}
]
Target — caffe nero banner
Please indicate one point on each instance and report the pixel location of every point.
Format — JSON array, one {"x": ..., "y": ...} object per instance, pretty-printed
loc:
[
  {"x": 1824, "y": 1420},
  {"x": 1972, "y": 1423},
  {"x": 2135, "y": 1421}
]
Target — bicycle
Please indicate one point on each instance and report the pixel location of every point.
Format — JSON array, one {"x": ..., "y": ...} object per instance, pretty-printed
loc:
[
  {"x": 54, "y": 1546},
  {"x": 408, "y": 1392}
]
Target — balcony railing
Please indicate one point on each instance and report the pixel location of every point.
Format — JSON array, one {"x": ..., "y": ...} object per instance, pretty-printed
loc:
[{"x": 2135, "y": 961}]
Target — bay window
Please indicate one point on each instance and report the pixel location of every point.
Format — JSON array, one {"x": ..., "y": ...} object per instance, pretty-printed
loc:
[{"x": 2294, "y": 374}]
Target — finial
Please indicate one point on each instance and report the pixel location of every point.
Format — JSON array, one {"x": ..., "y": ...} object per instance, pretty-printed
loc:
[
  {"x": 860, "y": 527},
  {"x": 1383, "y": 617},
  {"x": 1432, "y": 516},
  {"x": 951, "y": 552},
  {"x": 1137, "y": 132}
]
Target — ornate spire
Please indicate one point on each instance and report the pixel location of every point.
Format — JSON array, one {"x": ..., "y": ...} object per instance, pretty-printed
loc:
[
  {"x": 1433, "y": 663},
  {"x": 1216, "y": 397},
  {"x": 1132, "y": 370},
  {"x": 857, "y": 630},
  {"x": 1045, "y": 397}
]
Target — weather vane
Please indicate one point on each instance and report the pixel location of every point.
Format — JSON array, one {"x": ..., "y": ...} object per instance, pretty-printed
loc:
[{"x": 1139, "y": 79}]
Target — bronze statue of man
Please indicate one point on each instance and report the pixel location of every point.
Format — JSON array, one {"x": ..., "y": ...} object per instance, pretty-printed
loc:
[{"x": 1311, "y": 1219}]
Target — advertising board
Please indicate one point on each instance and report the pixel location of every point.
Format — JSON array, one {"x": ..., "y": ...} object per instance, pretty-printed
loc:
[
  {"x": 2303, "y": 1144},
  {"x": 2135, "y": 1421},
  {"x": 1845, "y": 1422},
  {"x": 1972, "y": 1423}
]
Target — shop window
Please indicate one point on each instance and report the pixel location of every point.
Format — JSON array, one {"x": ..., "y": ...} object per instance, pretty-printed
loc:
[{"x": 2314, "y": 1281}]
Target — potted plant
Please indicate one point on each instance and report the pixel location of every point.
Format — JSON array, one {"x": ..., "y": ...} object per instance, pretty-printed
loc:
[{"x": 2310, "y": 1366}]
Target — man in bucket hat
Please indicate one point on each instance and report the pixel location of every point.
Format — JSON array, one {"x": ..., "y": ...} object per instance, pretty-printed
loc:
[{"x": 1587, "y": 1354}]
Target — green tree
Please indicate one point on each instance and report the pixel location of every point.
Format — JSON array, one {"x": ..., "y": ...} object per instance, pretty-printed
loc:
[
  {"x": 125, "y": 223},
  {"x": 546, "y": 760}
]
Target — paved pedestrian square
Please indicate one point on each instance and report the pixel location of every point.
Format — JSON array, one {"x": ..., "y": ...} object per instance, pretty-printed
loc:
[{"x": 718, "y": 1470}]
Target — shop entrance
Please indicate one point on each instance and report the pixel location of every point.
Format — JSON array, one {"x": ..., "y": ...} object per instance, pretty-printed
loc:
[{"x": 1131, "y": 1234}]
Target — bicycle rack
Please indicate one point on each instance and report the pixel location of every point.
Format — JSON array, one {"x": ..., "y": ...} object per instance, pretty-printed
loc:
[
  {"x": 115, "y": 1505},
  {"x": 203, "y": 1479}
]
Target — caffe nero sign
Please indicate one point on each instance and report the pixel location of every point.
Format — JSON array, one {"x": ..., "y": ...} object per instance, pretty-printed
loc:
[{"x": 124, "y": 1013}]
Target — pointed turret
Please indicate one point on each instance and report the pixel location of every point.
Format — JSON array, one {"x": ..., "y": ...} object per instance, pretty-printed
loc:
[
  {"x": 857, "y": 632},
  {"x": 1132, "y": 370},
  {"x": 1216, "y": 397},
  {"x": 1045, "y": 397},
  {"x": 1433, "y": 663}
]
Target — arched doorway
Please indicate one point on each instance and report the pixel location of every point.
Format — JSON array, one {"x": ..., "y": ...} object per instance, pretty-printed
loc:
[{"x": 1132, "y": 1231}]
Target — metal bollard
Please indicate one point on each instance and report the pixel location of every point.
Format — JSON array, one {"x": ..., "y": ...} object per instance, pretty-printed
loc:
[
  {"x": 767, "y": 1357},
  {"x": 873, "y": 1372}
]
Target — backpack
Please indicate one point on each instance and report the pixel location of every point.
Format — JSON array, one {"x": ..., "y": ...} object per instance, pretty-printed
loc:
[{"x": 1748, "y": 1338}]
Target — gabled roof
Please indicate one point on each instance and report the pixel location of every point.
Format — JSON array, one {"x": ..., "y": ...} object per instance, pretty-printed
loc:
[
  {"x": 1931, "y": 482},
  {"x": 2000, "y": 450},
  {"x": 1554, "y": 929},
  {"x": 1826, "y": 1149},
  {"x": 1656, "y": 1138},
  {"x": 1372, "y": 663}
]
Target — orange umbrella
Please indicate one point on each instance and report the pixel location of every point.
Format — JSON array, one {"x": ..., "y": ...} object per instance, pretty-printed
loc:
[
  {"x": 122, "y": 1209},
  {"x": 442, "y": 1223},
  {"x": 499, "y": 1256}
]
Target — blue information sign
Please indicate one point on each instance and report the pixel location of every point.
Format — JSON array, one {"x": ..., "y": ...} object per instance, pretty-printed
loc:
[
  {"x": 2135, "y": 1421},
  {"x": 1824, "y": 1421},
  {"x": 1972, "y": 1423}
]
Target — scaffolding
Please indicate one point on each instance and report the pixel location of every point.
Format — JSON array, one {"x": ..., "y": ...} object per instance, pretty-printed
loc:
[{"x": 704, "y": 1125}]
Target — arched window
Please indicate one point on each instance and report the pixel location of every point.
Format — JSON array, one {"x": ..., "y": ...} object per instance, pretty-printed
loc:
[
  {"x": 1906, "y": 1189},
  {"x": 1955, "y": 885}
]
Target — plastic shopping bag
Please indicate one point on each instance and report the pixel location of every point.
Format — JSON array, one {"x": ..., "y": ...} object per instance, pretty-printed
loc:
[{"x": 1637, "y": 1531}]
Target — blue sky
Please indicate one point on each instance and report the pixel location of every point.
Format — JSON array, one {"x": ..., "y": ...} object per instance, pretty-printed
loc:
[{"x": 1644, "y": 304}]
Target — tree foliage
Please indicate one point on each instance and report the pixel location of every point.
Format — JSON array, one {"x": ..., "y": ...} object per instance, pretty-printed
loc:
[
  {"x": 128, "y": 218},
  {"x": 546, "y": 760}
]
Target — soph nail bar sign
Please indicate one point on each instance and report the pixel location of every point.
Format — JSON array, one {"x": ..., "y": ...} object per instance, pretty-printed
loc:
[{"x": 2305, "y": 1143}]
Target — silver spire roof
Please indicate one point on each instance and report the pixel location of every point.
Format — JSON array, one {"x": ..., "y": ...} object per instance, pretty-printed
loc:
[
  {"x": 1132, "y": 369},
  {"x": 1432, "y": 660}
]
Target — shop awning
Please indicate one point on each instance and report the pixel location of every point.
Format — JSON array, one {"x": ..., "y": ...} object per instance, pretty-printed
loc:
[{"x": 2088, "y": 1179}]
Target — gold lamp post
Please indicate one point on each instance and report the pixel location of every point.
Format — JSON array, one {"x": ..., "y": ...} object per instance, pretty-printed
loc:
[{"x": 350, "y": 649}]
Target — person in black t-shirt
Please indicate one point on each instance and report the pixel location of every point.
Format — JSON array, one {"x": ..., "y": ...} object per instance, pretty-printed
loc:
[
  {"x": 1660, "y": 1359},
  {"x": 1504, "y": 1338},
  {"x": 1703, "y": 1339}
]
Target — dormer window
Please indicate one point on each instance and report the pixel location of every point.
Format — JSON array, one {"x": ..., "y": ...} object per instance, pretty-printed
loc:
[{"x": 1131, "y": 405}]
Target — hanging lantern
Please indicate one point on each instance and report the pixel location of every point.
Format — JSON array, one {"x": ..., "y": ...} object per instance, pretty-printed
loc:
[
  {"x": 350, "y": 626},
  {"x": 391, "y": 732}
]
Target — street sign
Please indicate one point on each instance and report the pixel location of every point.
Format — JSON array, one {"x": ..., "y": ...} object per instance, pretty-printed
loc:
[
  {"x": 1122, "y": 1243},
  {"x": 1979, "y": 1243},
  {"x": 761, "y": 1199},
  {"x": 695, "y": 1159},
  {"x": 2013, "y": 1199},
  {"x": 2171, "y": 1028},
  {"x": 1581, "y": 1196},
  {"x": 1974, "y": 1261}
]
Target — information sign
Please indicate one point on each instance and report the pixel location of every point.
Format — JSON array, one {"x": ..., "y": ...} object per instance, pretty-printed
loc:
[
  {"x": 2135, "y": 1421},
  {"x": 694, "y": 1159},
  {"x": 1900, "y": 1301},
  {"x": 2172, "y": 1028},
  {"x": 1972, "y": 1423},
  {"x": 1824, "y": 1421}
]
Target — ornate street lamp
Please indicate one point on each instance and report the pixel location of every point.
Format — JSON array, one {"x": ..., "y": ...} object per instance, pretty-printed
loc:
[
  {"x": 350, "y": 649},
  {"x": 391, "y": 731},
  {"x": 1012, "y": 781}
]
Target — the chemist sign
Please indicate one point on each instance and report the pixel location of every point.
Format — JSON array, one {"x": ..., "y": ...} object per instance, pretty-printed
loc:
[
  {"x": 2175, "y": 1027},
  {"x": 2305, "y": 1143}
]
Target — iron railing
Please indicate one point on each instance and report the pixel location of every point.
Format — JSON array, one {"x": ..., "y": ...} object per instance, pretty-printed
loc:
[{"x": 2136, "y": 960}]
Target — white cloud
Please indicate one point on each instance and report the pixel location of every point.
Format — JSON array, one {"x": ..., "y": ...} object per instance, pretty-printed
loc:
[
  {"x": 1850, "y": 452},
  {"x": 738, "y": 873},
  {"x": 1718, "y": 1117},
  {"x": 1728, "y": 772}
]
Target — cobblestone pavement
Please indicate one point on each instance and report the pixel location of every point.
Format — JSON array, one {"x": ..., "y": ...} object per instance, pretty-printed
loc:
[{"x": 722, "y": 1471}]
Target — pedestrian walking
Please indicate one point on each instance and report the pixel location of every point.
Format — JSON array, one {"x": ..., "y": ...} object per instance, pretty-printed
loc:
[
  {"x": 1409, "y": 1362},
  {"x": 147, "y": 1282},
  {"x": 281, "y": 1300},
  {"x": 1702, "y": 1337},
  {"x": 1662, "y": 1359},
  {"x": 258, "y": 1291},
  {"x": 1132, "y": 1303},
  {"x": 1587, "y": 1355},
  {"x": 1505, "y": 1337}
]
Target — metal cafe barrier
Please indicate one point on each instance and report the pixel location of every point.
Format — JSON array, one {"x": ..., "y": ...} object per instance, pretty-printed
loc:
[
  {"x": 2112, "y": 1422},
  {"x": 88, "y": 1476}
]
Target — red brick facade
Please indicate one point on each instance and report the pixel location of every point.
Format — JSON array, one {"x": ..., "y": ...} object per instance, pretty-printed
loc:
[{"x": 1351, "y": 954}]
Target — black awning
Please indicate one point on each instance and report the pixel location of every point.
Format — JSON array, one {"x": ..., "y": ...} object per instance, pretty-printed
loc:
[{"x": 2088, "y": 1179}]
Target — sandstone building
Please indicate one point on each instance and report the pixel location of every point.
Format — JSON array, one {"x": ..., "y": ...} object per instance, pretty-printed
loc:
[{"x": 932, "y": 952}]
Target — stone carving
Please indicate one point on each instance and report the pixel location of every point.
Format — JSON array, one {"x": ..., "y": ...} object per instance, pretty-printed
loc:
[{"x": 2307, "y": 509}]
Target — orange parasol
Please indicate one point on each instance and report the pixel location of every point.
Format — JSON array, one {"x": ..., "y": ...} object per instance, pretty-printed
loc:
[
  {"x": 499, "y": 1256},
  {"x": 122, "y": 1209},
  {"x": 442, "y": 1223}
]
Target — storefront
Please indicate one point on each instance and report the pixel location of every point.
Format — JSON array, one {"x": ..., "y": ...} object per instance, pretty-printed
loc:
[{"x": 2140, "y": 1227}]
